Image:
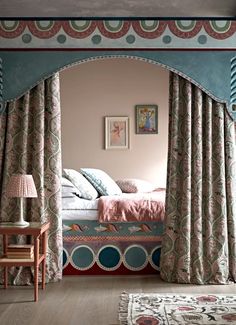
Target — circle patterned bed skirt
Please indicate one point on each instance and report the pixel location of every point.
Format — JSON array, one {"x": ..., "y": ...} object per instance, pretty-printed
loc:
[{"x": 110, "y": 258}]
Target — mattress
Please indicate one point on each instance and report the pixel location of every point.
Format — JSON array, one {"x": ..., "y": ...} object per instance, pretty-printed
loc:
[
  {"x": 76, "y": 203},
  {"x": 80, "y": 214}
]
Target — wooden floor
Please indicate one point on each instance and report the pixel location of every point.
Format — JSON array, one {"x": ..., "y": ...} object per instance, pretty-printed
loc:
[{"x": 85, "y": 300}]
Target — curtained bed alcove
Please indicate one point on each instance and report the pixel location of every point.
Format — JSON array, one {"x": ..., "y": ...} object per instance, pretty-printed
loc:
[{"x": 200, "y": 233}]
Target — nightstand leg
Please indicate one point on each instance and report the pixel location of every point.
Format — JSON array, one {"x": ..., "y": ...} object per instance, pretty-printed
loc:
[
  {"x": 5, "y": 244},
  {"x": 44, "y": 237},
  {"x": 36, "y": 267},
  {"x": 5, "y": 277}
]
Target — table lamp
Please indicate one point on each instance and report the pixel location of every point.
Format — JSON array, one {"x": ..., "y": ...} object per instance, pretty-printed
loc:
[{"x": 21, "y": 186}]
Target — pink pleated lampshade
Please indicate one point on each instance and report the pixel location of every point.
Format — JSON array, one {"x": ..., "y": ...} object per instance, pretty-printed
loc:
[{"x": 21, "y": 186}]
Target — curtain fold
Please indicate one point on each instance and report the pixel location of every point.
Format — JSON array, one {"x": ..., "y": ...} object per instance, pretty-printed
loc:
[
  {"x": 199, "y": 244},
  {"x": 30, "y": 131}
]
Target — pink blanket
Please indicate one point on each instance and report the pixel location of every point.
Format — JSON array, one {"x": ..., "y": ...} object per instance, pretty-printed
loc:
[{"x": 132, "y": 207}]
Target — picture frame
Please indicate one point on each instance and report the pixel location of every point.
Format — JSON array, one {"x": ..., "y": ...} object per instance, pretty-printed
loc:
[
  {"x": 117, "y": 132},
  {"x": 146, "y": 117}
]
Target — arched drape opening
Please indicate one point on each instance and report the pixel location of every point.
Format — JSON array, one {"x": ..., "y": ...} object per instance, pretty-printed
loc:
[
  {"x": 30, "y": 143},
  {"x": 199, "y": 244}
]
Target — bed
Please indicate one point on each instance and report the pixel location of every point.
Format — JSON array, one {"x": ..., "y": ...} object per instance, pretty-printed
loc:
[{"x": 102, "y": 236}]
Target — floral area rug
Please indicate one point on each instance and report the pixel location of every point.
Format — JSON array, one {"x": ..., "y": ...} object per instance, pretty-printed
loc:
[{"x": 183, "y": 309}]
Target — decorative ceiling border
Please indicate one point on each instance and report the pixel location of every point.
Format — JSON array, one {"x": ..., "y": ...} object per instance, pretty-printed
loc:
[{"x": 100, "y": 34}]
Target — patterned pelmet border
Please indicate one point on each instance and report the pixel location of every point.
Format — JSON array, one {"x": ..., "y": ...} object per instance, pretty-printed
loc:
[{"x": 167, "y": 34}]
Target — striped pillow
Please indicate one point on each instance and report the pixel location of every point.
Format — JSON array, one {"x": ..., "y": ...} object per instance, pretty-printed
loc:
[
  {"x": 86, "y": 190},
  {"x": 103, "y": 183}
]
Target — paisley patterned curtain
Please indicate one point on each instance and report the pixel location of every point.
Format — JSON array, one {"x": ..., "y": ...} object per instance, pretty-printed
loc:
[
  {"x": 199, "y": 245},
  {"x": 30, "y": 143}
]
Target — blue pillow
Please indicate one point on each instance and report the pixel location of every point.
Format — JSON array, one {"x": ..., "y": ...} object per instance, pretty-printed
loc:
[{"x": 103, "y": 183}]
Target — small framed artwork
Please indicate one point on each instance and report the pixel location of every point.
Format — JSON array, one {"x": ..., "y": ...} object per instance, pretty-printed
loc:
[
  {"x": 116, "y": 132},
  {"x": 146, "y": 119}
]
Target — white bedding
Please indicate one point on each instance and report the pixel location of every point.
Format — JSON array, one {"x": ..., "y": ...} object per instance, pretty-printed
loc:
[
  {"x": 76, "y": 203},
  {"x": 75, "y": 208},
  {"x": 79, "y": 214}
]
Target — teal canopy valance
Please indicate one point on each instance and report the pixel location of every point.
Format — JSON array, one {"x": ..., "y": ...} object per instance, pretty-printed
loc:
[
  {"x": 201, "y": 50},
  {"x": 212, "y": 71}
]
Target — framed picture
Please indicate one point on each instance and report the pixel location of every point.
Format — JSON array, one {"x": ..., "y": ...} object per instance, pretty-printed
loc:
[
  {"x": 116, "y": 132},
  {"x": 146, "y": 119}
]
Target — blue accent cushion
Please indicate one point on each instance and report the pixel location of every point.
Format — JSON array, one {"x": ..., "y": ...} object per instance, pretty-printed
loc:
[{"x": 103, "y": 183}]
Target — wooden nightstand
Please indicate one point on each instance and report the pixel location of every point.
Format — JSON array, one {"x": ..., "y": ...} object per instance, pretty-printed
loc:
[{"x": 39, "y": 233}]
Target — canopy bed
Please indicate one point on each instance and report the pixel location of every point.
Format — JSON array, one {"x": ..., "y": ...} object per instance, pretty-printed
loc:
[
  {"x": 201, "y": 58},
  {"x": 107, "y": 231}
]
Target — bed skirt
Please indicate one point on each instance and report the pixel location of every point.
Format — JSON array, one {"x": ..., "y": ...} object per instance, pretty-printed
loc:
[{"x": 94, "y": 248}]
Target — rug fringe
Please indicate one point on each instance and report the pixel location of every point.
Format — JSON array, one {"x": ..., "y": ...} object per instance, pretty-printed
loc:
[{"x": 123, "y": 308}]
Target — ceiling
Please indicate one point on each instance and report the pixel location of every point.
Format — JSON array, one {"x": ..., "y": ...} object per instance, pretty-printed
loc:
[{"x": 115, "y": 8}]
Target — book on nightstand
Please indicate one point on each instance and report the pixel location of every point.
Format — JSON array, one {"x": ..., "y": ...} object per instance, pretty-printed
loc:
[{"x": 20, "y": 251}]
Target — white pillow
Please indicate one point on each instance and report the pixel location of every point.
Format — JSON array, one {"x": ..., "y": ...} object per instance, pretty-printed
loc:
[
  {"x": 103, "y": 183},
  {"x": 86, "y": 190},
  {"x": 133, "y": 185},
  {"x": 66, "y": 183},
  {"x": 68, "y": 189}
]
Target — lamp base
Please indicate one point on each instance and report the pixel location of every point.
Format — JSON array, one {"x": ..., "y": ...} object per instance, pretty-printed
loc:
[{"x": 20, "y": 224}]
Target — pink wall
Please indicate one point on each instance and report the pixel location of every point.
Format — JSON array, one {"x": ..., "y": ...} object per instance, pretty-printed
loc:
[{"x": 112, "y": 87}]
